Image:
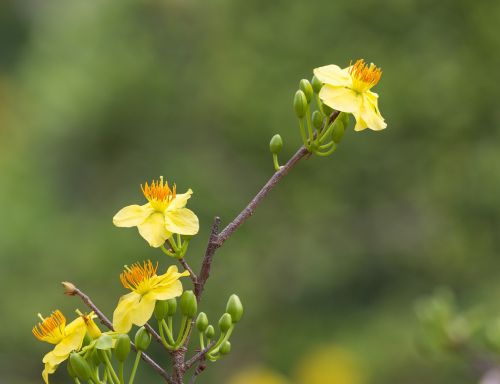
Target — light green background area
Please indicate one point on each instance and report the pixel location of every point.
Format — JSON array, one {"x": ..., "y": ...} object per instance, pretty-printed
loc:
[{"x": 98, "y": 96}]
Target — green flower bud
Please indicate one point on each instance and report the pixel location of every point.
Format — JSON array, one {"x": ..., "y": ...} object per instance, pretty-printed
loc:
[
  {"x": 210, "y": 332},
  {"x": 317, "y": 119},
  {"x": 225, "y": 348},
  {"x": 327, "y": 111},
  {"x": 234, "y": 308},
  {"x": 306, "y": 87},
  {"x": 188, "y": 304},
  {"x": 316, "y": 84},
  {"x": 300, "y": 104},
  {"x": 338, "y": 132},
  {"x": 172, "y": 306},
  {"x": 225, "y": 322},
  {"x": 122, "y": 347},
  {"x": 142, "y": 339},
  {"x": 202, "y": 322},
  {"x": 276, "y": 144},
  {"x": 80, "y": 366},
  {"x": 161, "y": 309},
  {"x": 71, "y": 371}
]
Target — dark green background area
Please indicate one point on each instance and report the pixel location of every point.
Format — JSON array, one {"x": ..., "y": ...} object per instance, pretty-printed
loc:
[{"x": 98, "y": 96}]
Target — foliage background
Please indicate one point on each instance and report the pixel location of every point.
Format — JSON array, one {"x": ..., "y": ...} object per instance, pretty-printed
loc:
[{"x": 98, "y": 96}]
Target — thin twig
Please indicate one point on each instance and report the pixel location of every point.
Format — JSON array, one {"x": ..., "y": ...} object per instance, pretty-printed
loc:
[
  {"x": 199, "y": 369},
  {"x": 186, "y": 266},
  {"x": 207, "y": 259},
  {"x": 71, "y": 290},
  {"x": 199, "y": 356}
]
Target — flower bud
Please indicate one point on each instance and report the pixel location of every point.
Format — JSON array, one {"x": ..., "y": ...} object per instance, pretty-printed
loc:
[
  {"x": 69, "y": 288},
  {"x": 202, "y": 322},
  {"x": 122, "y": 347},
  {"x": 300, "y": 104},
  {"x": 161, "y": 309},
  {"x": 306, "y": 87},
  {"x": 80, "y": 366},
  {"x": 172, "y": 306},
  {"x": 225, "y": 348},
  {"x": 317, "y": 119},
  {"x": 276, "y": 144},
  {"x": 142, "y": 339},
  {"x": 71, "y": 371},
  {"x": 234, "y": 308},
  {"x": 225, "y": 322},
  {"x": 92, "y": 328},
  {"x": 188, "y": 304},
  {"x": 338, "y": 131},
  {"x": 210, "y": 332},
  {"x": 316, "y": 84}
]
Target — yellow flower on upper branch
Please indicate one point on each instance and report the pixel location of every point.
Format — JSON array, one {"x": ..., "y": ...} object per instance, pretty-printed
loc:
[
  {"x": 348, "y": 90},
  {"x": 137, "y": 306},
  {"x": 67, "y": 338},
  {"x": 162, "y": 215}
]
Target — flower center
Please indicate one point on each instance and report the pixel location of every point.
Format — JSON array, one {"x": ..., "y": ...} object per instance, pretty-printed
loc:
[
  {"x": 50, "y": 329},
  {"x": 364, "y": 76},
  {"x": 159, "y": 194},
  {"x": 138, "y": 277}
]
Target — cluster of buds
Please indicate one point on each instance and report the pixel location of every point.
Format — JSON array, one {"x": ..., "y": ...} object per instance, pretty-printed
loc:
[{"x": 222, "y": 346}]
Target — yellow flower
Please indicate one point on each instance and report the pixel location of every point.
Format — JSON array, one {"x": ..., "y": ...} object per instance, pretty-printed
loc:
[
  {"x": 348, "y": 90},
  {"x": 137, "y": 306},
  {"x": 164, "y": 214},
  {"x": 67, "y": 338}
]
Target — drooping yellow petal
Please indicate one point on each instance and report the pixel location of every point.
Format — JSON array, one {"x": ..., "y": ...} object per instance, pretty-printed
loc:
[
  {"x": 49, "y": 369},
  {"x": 132, "y": 215},
  {"x": 153, "y": 230},
  {"x": 341, "y": 98},
  {"x": 179, "y": 201},
  {"x": 333, "y": 75},
  {"x": 182, "y": 221},
  {"x": 53, "y": 359},
  {"x": 370, "y": 113},
  {"x": 122, "y": 321}
]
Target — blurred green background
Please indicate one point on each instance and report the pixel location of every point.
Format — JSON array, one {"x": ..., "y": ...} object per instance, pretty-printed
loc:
[{"x": 97, "y": 96}]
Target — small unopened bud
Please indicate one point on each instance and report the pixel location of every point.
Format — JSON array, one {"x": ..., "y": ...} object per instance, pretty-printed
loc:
[
  {"x": 276, "y": 144},
  {"x": 71, "y": 371},
  {"x": 338, "y": 132},
  {"x": 234, "y": 308},
  {"x": 69, "y": 288},
  {"x": 92, "y": 328},
  {"x": 172, "y": 306},
  {"x": 225, "y": 348},
  {"x": 316, "y": 84},
  {"x": 210, "y": 332},
  {"x": 202, "y": 322},
  {"x": 161, "y": 309},
  {"x": 317, "y": 119},
  {"x": 122, "y": 347},
  {"x": 142, "y": 339},
  {"x": 188, "y": 304},
  {"x": 225, "y": 322},
  {"x": 300, "y": 104},
  {"x": 80, "y": 366},
  {"x": 306, "y": 87}
]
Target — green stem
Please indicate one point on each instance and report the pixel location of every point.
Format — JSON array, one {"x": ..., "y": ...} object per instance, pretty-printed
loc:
[
  {"x": 76, "y": 380},
  {"x": 326, "y": 146},
  {"x": 170, "y": 324},
  {"x": 202, "y": 341},
  {"x": 185, "y": 335},
  {"x": 327, "y": 152},
  {"x": 181, "y": 331},
  {"x": 167, "y": 252},
  {"x": 111, "y": 370},
  {"x": 134, "y": 368},
  {"x": 303, "y": 133},
  {"x": 120, "y": 372},
  {"x": 173, "y": 244},
  {"x": 276, "y": 162},
  {"x": 223, "y": 337},
  {"x": 162, "y": 325},
  {"x": 309, "y": 124}
]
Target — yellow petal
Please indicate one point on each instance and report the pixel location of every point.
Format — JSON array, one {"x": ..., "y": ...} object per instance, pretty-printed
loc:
[
  {"x": 167, "y": 291},
  {"x": 72, "y": 342},
  {"x": 182, "y": 221},
  {"x": 153, "y": 230},
  {"x": 49, "y": 369},
  {"x": 132, "y": 309},
  {"x": 53, "y": 360},
  {"x": 333, "y": 75},
  {"x": 132, "y": 215},
  {"x": 341, "y": 98},
  {"x": 180, "y": 201},
  {"x": 370, "y": 113}
]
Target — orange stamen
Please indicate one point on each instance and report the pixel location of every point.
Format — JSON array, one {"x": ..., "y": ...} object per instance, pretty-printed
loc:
[
  {"x": 46, "y": 328},
  {"x": 367, "y": 74},
  {"x": 158, "y": 191},
  {"x": 137, "y": 273}
]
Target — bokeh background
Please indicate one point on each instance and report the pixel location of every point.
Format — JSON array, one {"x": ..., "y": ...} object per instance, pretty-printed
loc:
[{"x": 97, "y": 96}]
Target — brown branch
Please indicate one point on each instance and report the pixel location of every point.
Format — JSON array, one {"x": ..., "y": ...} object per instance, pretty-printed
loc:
[
  {"x": 71, "y": 290},
  {"x": 207, "y": 259},
  {"x": 186, "y": 267}
]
